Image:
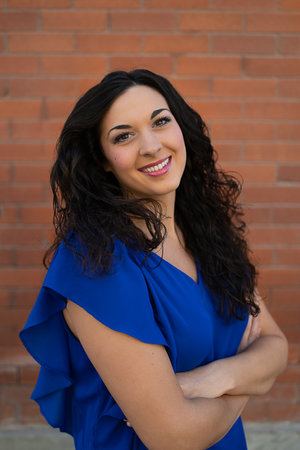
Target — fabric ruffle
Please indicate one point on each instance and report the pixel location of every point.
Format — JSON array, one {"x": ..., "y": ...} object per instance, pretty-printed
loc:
[{"x": 119, "y": 300}]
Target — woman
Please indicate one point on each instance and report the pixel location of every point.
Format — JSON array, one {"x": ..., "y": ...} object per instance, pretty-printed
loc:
[{"x": 148, "y": 327}]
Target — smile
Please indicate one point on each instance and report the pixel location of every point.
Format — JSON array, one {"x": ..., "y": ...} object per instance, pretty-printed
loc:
[{"x": 158, "y": 169}]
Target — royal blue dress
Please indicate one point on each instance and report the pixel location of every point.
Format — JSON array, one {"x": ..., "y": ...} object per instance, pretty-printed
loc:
[{"x": 154, "y": 302}]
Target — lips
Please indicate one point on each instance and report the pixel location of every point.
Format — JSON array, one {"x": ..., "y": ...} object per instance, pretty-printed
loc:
[{"x": 156, "y": 166}]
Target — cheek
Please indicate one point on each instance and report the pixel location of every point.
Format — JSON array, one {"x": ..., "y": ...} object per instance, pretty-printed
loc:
[{"x": 120, "y": 161}]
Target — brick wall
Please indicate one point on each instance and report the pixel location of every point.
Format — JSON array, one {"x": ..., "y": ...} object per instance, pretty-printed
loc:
[{"x": 236, "y": 61}]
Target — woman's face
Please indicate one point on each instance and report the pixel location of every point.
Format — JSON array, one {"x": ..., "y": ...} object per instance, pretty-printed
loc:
[{"x": 143, "y": 144}]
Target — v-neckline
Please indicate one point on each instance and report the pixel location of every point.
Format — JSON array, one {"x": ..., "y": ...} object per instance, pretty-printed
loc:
[{"x": 179, "y": 270}]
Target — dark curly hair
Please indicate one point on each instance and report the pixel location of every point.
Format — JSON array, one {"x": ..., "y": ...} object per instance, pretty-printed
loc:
[{"x": 88, "y": 200}]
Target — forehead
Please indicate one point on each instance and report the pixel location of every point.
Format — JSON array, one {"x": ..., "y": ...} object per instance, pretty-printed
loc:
[{"x": 137, "y": 102}]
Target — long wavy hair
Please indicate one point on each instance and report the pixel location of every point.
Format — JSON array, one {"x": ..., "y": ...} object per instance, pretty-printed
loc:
[{"x": 88, "y": 200}]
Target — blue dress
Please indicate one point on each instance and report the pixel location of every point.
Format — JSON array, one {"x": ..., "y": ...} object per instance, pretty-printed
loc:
[{"x": 154, "y": 302}]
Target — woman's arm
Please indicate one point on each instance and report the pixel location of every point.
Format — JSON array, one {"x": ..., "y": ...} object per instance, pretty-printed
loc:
[
  {"x": 142, "y": 381},
  {"x": 262, "y": 357}
]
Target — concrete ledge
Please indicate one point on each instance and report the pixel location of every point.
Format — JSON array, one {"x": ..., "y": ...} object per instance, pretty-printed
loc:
[{"x": 265, "y": 436}]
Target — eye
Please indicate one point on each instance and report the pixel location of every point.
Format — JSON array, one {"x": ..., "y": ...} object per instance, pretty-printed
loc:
[
  {"x": 122, "y": 137},
  {"x": 161, "y": 121}
]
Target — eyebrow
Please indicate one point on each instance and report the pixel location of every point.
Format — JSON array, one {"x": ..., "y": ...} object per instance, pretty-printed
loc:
[{"x": 126, "y": 126}]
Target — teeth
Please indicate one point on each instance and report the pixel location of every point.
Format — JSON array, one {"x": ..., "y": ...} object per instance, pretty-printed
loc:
[{"x": 158, "y": 167}]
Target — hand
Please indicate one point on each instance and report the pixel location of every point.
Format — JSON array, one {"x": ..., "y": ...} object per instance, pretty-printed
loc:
[
  {"x": 251, "y": 333},
  {"x": 210, "y": 381}
]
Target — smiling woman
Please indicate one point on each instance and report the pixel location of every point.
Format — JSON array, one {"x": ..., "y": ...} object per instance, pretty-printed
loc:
[{"x": 148, "y": 328}]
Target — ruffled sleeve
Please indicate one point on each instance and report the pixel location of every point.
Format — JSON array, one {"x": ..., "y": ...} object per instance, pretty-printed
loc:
[{"x": 120, "y": 300}]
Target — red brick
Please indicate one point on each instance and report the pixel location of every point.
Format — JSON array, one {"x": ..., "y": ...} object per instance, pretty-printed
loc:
[
  {"x": 111, "y": 4},
  {"x": 40, "y": 42},
  {"x": 9, "y": 336},
  {"x": 286, "y": 215},
  {"x": 142, "y": 21},
  {"x": 21, "y": 152},
  {"x": 262, "y": 256},
  {"x": 8, "y": 214},
  {"x": 23, "y": 65},
  {"x": 273, "y": 22},
  {"x": 21, "y": 277},
  {"x": 5, "y": 299},
  {"x": 4, "y": 130},
  {"x": 289, "y": 131},
  {"x": 281, "y": 412},
  {"x": 14, "y": 356},
  {"x": 36, "y": 215},
  {"x": 18, "y": 21},
  {"x": 208, "y": 65},
  {"x": 13, "y": 317},
  {"x": 35, "y": 4},
  {"x": 25, "y": 298},
  {"x": 37, "y": 130},
  {"x": 217, "y": 109},
  {"x": 272, "y": 110},
  {"x": 257, "y": 215},
  {"x": 160, "y": 64},
  {"x": 210, "y": 21},
  {"x": 4, "y": 87},
  {"x": 228, "y": 152},
  {"x": 73, "y": 65},
  {"x": 243, "y": 131},
  {"x": 245, "y": 5},
  {"x": 58, "y": 109},
  {"x": 177, "y": 4},
  {"x": 272, "y": 152},
  {"x": 243, "y": 44},
  {"x": 165, "y": 43},
  {"x": 294, "y": 354},
  {"x": 31, "y": 414},
  {"x": 1, "y": 44},
  {"x": 289, "y": 173},
  {"x": 289, "y": 317},
  {"x": 6, "y": 258},
  {"x": 192, "y": 87},
  {"x": 292, "y": 5},
  {"x": 274, "y": 194},
  {"x": 84, "y": 84},
  {"x": 289, "y": 45},
  {"x": 5, "y": 173},
  {"x": 8, "y": 375},
  {"x": 109, "y": 43},
  {"x": 285, "y": 297},
  {"x": 275, "y": 236},
  {"x": 73, "y": 20},
  {"x": 32, "y": 173},
  {"x": 29, "y": 374},
  {"x": 8, "y": 414},
  {"x": 17, "y": 394},
  {"x": 292, "y": 334},
  {"x": 20, "y": 108},
  {"x": 286, "y": 392},
  {"x": 20, "y": 236},
  {"x": 43, "y": 87},
  {"x": 272, "y": 66},
  {"x": 253, "y": 173},
  {"x": 224, "y": 87},
  {"x": 255, "y": 411},
  {"x": 289, "y": 256},
  {"x": 279, "y": 277},
  {"x": 289, "y": 88},
  {"x": 21, "y": 194},
  {"x": 30, "y": 257}
]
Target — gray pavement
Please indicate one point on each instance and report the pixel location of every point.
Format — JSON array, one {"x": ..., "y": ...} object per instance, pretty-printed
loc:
[{"x": 265, "y": 436}]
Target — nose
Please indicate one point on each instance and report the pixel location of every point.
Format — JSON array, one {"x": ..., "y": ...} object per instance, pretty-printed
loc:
[{"x": 150, "y": 144}]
